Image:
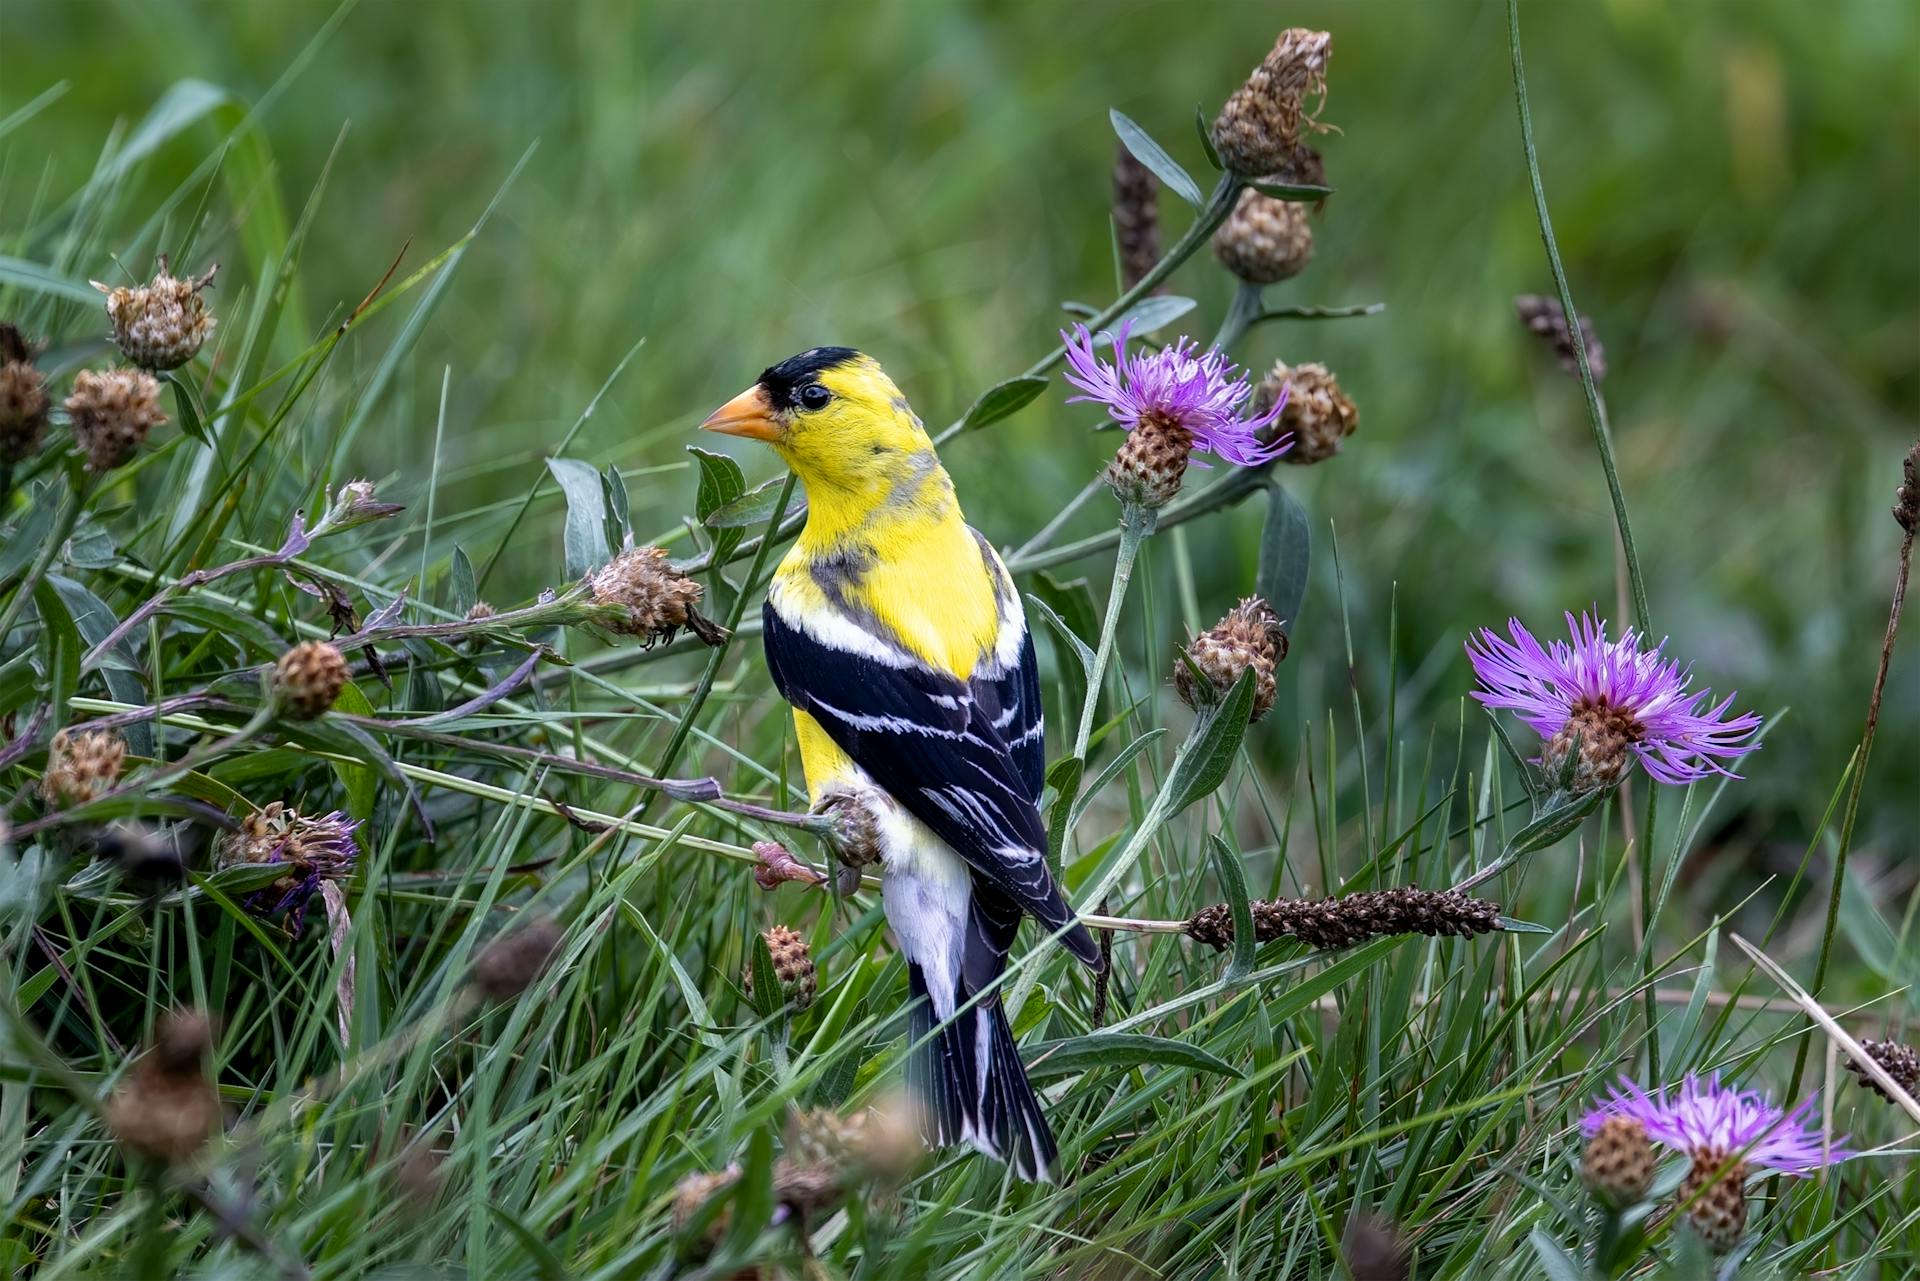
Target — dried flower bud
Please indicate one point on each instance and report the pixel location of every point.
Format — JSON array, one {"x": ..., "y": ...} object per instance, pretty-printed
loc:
[
  {"x": 1136, "y": 217},
  {"x": 509, "y": 964},
  {"x": 1719, "y": 1214},
  {"x": 1547, "y": 319},
  {"x": 1151, "y": 462},
  {"x": 1374, "y": 1250},
  {"x": 646, "y": 598},
  {"x": 1264, "y": 241},
  {"x": 1617, "y": 1165},
  {"x": 308, "y": 678},
  {"x": 1256, "y": 131},
  {"x": 1902, "y": 1063},
  {"x": 881, "y": 1142},
  {"x": 1317, "y": 413},
  {"x": 692, "y": 1194},
  {"x": 792, "y": 965},
  {"x": 159, "y": 326},
  {"x": 1906, "y": 507},
  {"x": 1250, "y": 636},
  {"x": 166, "y": 1109},
  {"x": 111, "y": 412},
  {"x": 1354, "y": 918},
  {"x": 856, "y": 823},
  {"x": 1606, "y": 735},
  {"x": 81, "y": 767},
  {"x": 777, "y": 866},
  {"x": 23, "y": 398},
  {"x": 480, "y": 612},
  {"x": 355, "y": 504},
  {"x": 312, "y": 850}
]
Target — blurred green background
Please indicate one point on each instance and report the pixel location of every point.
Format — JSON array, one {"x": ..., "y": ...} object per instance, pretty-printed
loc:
[{"x": 1735, "y": 187}]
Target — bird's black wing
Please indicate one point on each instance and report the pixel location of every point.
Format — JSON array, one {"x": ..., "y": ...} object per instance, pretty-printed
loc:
[
  {"x": 1010, "y": 700},
  {"x": 924, "y": 738}
]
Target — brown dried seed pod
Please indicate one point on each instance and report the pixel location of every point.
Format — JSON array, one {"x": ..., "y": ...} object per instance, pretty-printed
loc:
[
  {"x": 308, "y": 678},
  {"x": 1353, "y": 918},
  {"x": 1720, "y": 1213},
  {"x": 1547, "y": 319},
  {"x": 1264, "y": 241},
  {"x": 111, "y": 411},
  {"x": 1136, "y": 217},
  {"x": 1249, "y": 637},
  {"x": 509, "y": 964},
  {"x": 792, "y": 964},
  {"x": 1151, "y": 462},
  {"x": 1318, "y": 414},
  {"x": 1256, "y": 131},
  {"x": 1617, "y": 1163},
  {"x": 23, "y": 397},
  {"x": 1902, "y": 1063},
  {"x": 856, "y": 824},
  {"x": 167, "y": 1108},
  {"x": 81, "y": 767},
  {"x": 1906, "y": 505},
  {"x": 160, "y": 325},
  {"x": 650, "y": 600}
]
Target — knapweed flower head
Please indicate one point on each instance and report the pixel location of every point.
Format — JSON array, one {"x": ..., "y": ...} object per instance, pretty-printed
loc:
[
  {"x": 1706, "y": 1117},
  {"x": 312, "y": 849},
  {"x": 1173, "y": 403},
  {"x": 111, "y": 411},
  {"x": 1619, "y": 700},
  {"x": 160, "y": 325},
  {"x": 23, "y": 397},
  {"x": 640, "y": 594}
]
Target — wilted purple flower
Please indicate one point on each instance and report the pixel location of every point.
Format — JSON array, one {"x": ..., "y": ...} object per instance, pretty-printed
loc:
[
  {"x": 1616, "y": 698},
  {"x": 1705, "y": 1118},
  {"x": 313, "y": 849},
  {"x": 1177, "y": 388}
]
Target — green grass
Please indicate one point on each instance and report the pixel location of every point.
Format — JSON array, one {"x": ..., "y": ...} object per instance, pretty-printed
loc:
[{"x": 612, "y": 217}]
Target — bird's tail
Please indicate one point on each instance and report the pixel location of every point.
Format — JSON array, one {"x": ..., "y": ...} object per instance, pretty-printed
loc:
[{"x": 973, "y": 1086}]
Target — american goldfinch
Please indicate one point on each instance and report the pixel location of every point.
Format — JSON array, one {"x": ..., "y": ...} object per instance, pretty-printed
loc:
[{"x": 896, "y": 633}]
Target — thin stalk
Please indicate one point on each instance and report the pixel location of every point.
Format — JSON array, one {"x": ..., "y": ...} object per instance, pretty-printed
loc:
[
  {"x": 1136, "y": 522},
  {"x": 1596, "y": 410}
]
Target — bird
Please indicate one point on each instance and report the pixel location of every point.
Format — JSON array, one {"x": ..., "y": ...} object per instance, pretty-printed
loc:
[{"x": 894, "y": 630}]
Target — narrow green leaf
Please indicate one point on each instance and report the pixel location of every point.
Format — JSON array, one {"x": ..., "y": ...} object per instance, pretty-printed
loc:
[
  {"x": 721, "y": 482},
  {"x": 1206, "y": 757},
  {"x": 1526, "y": 772},
  {"x": 1233, "y": 884},
  {"x": 1002, "y": 400},
  {"x": 1555, "y": 1263},
  {"x": 753, "y": 508},
  {"x": 36, "y": 279},
  {"x": 1074, "y": 1054},
  {"x": 1206, "y": 138},
  {"x": 1064, "y": 779},
  {"x": 585, "y": 540},
  {"x": 1555, "y": 823},
  {"x": 546, "y": 1264},
  {"x": 1303, "y": 193},
  {"x": 768, "y": 999},
  {"x": 1154, "y": 157},
  {"x": 359, "y": 779},
  {"x": 187, "y": 409},
  {"x": 1286, "y": 548},
  {"x": 619, "y": 505},
  {"x": 63, "y": 648},
  {"x": 462, "y": 589},
  {"x": 23, "y": 542},
  {"x": 1153, "y": 313}
]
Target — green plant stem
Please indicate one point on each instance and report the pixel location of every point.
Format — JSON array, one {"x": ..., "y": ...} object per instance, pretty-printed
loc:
[
  {"x": 1596, "y": 410},
  {"x": 63, "y": 527},
  {"x": 1136, "y": 523},
  {"x": 1236, "y": 484},
  {"x": 1651, "y": 996}
]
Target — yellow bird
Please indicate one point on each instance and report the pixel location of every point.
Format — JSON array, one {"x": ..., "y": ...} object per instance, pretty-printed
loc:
[{"x": 896, "y": 633}]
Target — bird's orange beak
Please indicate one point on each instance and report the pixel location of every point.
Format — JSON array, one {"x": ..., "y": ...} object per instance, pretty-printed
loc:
[{"x": 749, "y": 414}]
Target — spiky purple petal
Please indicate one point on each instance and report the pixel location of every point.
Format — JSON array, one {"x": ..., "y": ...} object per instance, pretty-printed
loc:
[
  {"x": 1199, "y": 391},
  {"x": 1705, "y": 1117}
]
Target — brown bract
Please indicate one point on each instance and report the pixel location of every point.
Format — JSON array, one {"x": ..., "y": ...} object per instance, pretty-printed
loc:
[
  {"x": 111, "y": 411},
  {"x": 162, "y": 324},
  {"x": 1720, "y": 1213},
  {"x": 1264, "y": 241},
  {"x": 647, "y": 598},
  {"x": 23, "y": 397},
  {"x": 1248, "y": 638},
  {"x": 1151, "y": 462},
  {"x": 167, "y": 1108},
  {"x": 792, "y": 964},
  {"x": 308, "y": 678},
  {"x": 1257, "y": 129},
  {"x": 1617, "y": 1163},
  {"x": 1318, "y": 414},
  {"x": 81, "y": 767}
]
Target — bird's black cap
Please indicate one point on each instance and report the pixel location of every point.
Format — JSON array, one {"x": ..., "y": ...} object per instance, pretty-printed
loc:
[{"x": 782, "y": 382}]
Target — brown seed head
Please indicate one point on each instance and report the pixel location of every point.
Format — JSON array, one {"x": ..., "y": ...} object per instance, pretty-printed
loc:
[
  {"x": 1906, "y": 506},
  {"x": 1720, "y": 1213},
  {"x": 693, "y": 1192},
  {"x": 1375, "y": 1251},
  {"x": 1136, "y": 217},
  {"x": 856, "y": 824},
  {"x": 111, "y": 412},
  {"x": 1256, "y": 131},
  {"x": 23, "y": 397},
  {"x": 1354, "y": 918},
  {"x": 166, "y": 1108},
  {"x": 161, "y": 325},
  {"x": 1250, "y": 636},
  {"x": 1606, "y": 735},
  {"x": 1902, "y": 1063},
  {"x": 792, "y": 964},
  {"x": 646, "y": 598},
  {"x": 1264, "y": 241},
  {"x": 1547, "y": 319},
  {"x": 1317, "y": 413},
  {"x": 881, "y": 1142},
  {"x": 1151, "y": 462},
  {"x": 308, "y": 678},
  {"x": 81, "y": 767},
  {"x": 509, "y": 964},
  {"x": 480, "y": 612},
  {"x": 1617, "y": 1165}
]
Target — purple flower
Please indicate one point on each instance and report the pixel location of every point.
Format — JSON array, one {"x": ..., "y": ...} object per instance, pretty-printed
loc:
[
  {"x": 1706, "y": 1120},
  {"x": 1619, "y": 700},
  {"x": 312, "y": 849},
  {"x": 1177, "y": 389}
]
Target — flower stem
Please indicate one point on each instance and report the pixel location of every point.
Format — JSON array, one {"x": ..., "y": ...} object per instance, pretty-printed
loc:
[
  {"x": 1136, "y": 522},
  {"x": 1596, "y": 410}
]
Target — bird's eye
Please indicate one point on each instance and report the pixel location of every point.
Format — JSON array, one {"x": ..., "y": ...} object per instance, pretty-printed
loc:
[{"x": 814, "y": 396}]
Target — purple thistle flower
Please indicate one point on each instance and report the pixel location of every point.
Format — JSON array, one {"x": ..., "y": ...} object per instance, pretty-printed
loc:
[
  {"x": 313, "y": 849},
  {"x": 1709, "y": 1121},
  {"x": 1178, "y": 389},
  {"x": 1616, "y": 697}
]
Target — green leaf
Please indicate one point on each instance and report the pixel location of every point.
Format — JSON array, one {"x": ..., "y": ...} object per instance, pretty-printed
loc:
[
  {"x": 751, "y": 509},
  {"x": 1154, "y": 157},
  {"x": 23, "y": 543},
  {"x": 1064, "y": 779},
  {"x": 768, "y": 998},
  {"x": 721, "y": 482},
  {"x": 1233, "y": 884},
  {"x": 1555, "y": 1263},
  {"x": 585, "y": 542},
  {"x": 1206, "y": 138},
  {"x": 63, "y": 649},
  {"x": 186, "y": 405},
  {"x": 619, "y": 507},
  {"x": 1113, "y": 769},
  {"x": 1120, "y": 1050},
  {"x": 1002, "y": 400},
  {"x": 1286, "y": 546},
  {"x": 1302, "y": 193},
  {"x": 1070, "y": 609},
  {"x": 1207, "y": 756},
  {"x": 1154, "y": 312},
  {"x": 359, "y": 780},
  {"x": 1555, "y": 823},
  {"x": 36, "y": 279},
  {"x": 1526, "y": 771},
  {"x": 462, "y": 590},
  {"x": 546, "y": 1264}
]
